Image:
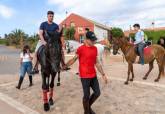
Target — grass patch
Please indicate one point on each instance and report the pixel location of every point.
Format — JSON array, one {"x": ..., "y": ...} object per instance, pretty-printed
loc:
[{"x": 2, "y": 41}]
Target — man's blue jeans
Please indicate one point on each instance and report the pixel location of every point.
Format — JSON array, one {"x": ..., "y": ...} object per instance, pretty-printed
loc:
[{"x": 141, "y": 51}]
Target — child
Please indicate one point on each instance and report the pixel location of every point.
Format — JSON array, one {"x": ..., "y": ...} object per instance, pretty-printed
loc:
[
  {"x": 25, "y": 66},
  {"x": 139, "y": 42}
]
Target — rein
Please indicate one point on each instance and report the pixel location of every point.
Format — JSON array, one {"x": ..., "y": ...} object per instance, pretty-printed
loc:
[{"x": 125, "y": 49}]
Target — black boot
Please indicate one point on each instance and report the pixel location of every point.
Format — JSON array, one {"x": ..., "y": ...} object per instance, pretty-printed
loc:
[
  {"x": 91, "y": 111},
  {"x": 19, "y": 83},
  {"x": 51, "y": 102},
  {"x": 91, "y": 101},
  {"x": 31, "y": 81},
  {"x": 86, "y": 106},
  {"x": 46, "y": 107}
]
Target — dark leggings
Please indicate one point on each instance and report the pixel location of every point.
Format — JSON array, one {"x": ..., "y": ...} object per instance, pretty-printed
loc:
[{"x": 94, "y": 84}]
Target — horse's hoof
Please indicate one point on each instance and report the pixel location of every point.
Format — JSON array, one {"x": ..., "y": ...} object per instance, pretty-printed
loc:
[
  {"x": 156, "y": 80},
  {"x": 17, "y": 87},
  {"x": 144, "y": 78},
  {"x": 126, "y": 83},
  {"x": 51, "y": 102},
  {"x": 58, "y": 84},
  {"x": 46, "y": 107},
  {"x": 131, "y": 80}
]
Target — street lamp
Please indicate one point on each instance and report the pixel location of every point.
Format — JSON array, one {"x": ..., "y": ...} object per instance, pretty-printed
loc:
[{"x": 153, "y": 25}]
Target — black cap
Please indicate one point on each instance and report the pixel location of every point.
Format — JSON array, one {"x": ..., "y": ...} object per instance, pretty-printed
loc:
[
  {"x": 136, "y": 25},
  {"x": 91, "y": 36}
]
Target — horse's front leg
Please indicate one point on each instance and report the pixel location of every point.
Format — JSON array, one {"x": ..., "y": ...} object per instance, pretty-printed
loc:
[
  {"x": 129, "y": 70},
  {"x": 51, "y": 102},
  {"x": 45, "y": 89}
]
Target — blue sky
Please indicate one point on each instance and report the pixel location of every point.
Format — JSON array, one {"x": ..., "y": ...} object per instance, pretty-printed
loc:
[{"x": 28, "y": 14}]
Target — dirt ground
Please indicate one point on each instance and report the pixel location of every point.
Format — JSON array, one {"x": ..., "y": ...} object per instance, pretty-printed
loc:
[{"x": 142, "y": 97}]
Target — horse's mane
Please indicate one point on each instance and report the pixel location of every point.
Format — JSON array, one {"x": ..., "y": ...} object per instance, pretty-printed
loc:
[{"x": 125, "y": 40}]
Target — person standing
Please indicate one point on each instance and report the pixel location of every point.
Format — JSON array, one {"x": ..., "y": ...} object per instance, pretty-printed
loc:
[
  {"x": 25, "y": 66},
  {"x": 87, "y": 56}
]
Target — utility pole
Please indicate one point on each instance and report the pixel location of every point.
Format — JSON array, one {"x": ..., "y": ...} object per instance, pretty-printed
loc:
[
  {"x": 66, "y": 13},
  {"x": 21, "y": 41},
  {"x": 153, "y": 25}
]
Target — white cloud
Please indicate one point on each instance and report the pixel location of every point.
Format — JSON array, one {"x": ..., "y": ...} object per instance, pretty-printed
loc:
[
  {"x": 6, "y": 12},
  {"x": 122, "y": 13}
]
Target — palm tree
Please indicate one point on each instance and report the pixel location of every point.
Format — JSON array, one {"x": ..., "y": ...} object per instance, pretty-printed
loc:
[{"x": 18, "y": 37}]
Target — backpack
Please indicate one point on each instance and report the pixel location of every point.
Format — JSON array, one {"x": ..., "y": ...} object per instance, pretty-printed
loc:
[{"x": 145, "y": 37}]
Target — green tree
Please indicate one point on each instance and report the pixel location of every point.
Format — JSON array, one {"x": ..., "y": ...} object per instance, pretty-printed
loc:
[
  {"x": 117, "y": 32},
  {"x": 16, "y": 38},
  {"x": 152, "y": 35},
  {"x": 32, "y": 41},
  {"x": 69, "y": 33}
]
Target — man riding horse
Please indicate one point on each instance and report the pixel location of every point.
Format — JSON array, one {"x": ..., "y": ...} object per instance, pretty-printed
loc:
[
  {"x": 48, "y": 26},
  {"x": 50, "y": 55}
]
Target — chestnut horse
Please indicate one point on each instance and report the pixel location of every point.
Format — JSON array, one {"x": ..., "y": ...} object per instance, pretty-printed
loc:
[
  {"x": 50, "y": 57},
  {"x": 151, "y": 53}
]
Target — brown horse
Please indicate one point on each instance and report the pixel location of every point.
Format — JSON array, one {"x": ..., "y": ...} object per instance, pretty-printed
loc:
[{"x": 150, "y": 54}]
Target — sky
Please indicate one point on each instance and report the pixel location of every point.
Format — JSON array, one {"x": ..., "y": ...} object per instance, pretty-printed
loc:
[{"x": 28, "y": 14}]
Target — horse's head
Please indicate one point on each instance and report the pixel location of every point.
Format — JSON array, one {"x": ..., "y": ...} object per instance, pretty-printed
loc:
[
  {"x": 116, "y": 45},
  {"x": 53, "y": 37},
  {"x": 53, "y": 49}
]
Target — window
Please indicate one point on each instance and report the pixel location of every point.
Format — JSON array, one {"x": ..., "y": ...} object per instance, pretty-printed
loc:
[
  {"x": 80, "y": 30},
  {"x": 72, "y": 24}
]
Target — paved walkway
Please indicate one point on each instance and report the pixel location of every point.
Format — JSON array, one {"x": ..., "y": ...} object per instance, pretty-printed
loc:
[
  {"x": 9, "y": 60},
  {"x": 7, "y": 109},
  {"x": 9, "y": 64},
  {"x": 139, "y": 97},
  {"x": 10, "y": 106}
]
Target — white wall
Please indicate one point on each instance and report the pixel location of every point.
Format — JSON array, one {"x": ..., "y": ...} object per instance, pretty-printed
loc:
[{"x": 100, "y": 33}]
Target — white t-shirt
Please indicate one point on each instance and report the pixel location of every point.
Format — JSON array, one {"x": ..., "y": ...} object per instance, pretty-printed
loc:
[{"x": 25, "y": 58}]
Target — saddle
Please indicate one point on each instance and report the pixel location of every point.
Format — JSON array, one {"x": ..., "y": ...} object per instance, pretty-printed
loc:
[
  {"x": 39, "y": 50},
  {"x": 147, "y": 50}
]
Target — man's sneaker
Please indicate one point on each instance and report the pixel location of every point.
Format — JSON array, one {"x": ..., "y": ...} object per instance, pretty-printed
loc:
[{"x": 34, "y": 71}]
